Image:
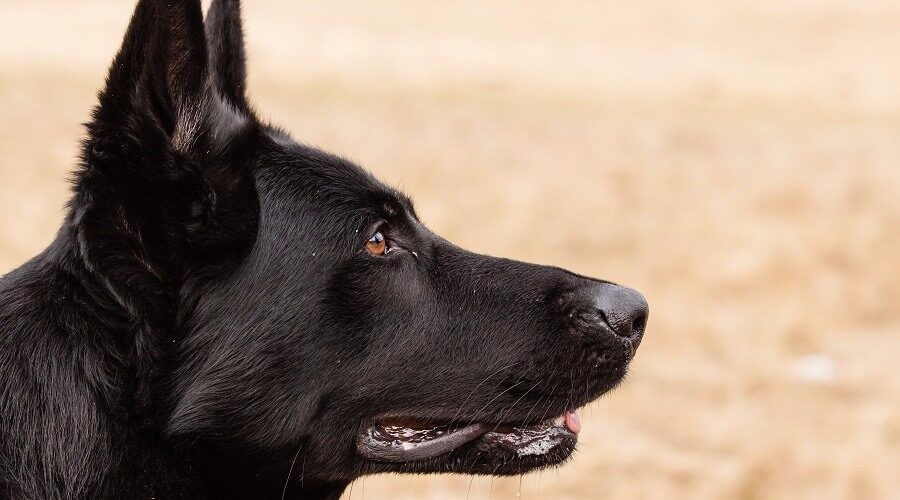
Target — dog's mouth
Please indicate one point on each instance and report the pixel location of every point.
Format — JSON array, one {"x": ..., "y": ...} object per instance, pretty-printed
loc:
[{"x": 406, "y": 439}]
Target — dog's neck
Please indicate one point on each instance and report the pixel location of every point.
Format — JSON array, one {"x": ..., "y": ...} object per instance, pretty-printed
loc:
[{"x": 143, "y": 436}]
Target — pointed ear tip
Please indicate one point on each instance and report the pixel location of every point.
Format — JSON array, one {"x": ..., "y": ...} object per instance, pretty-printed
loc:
[{"x": 165, "y": 47}]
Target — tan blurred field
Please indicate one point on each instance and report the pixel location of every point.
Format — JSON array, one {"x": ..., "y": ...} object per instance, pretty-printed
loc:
[{"x": 738, "y": 161}]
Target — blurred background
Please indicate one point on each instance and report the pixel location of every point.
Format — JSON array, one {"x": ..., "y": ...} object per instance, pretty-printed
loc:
[{"x": 737, "y": 161}]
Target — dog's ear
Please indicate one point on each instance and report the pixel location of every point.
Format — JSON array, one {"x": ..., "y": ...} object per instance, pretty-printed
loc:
[
  {"x": 164, "y": 193},
  {"x": 227, "y": 59},
  {"x": 160, "y": 166},
  {"x": 159, "y": 76}
]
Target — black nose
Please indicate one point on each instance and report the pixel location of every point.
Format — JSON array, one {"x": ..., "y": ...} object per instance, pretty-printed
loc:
[{"x": 623, "y": 310}]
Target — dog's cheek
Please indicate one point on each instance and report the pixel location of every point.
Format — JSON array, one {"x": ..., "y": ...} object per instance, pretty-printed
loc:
[{"x": 366, "y": 296}]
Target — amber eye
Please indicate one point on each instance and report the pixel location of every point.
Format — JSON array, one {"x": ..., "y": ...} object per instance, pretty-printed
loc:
[{"x": 376, "y": 244}]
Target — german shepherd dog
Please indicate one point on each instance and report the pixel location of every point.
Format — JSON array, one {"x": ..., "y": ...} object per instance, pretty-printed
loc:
[{"x": 227, "y": 313}]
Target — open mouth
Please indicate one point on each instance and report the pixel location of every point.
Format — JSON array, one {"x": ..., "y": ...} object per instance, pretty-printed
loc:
[{"x": 404, "y": 439}]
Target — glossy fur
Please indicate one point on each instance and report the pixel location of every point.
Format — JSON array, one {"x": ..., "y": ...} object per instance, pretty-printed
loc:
[{"x": 207, "y": 323}]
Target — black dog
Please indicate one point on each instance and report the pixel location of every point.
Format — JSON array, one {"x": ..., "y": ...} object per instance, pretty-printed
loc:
[{"x": 228, "y": 313}]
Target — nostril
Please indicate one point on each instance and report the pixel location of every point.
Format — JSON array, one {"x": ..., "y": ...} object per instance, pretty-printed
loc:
[{"x": 637, "y": 326}]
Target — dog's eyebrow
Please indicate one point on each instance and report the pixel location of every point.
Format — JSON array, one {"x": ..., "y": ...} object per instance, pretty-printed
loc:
[
  {"x": 407, "y": 203},
  {"x": 390, "y": 209},
  {"x": 397, "y": 204}
]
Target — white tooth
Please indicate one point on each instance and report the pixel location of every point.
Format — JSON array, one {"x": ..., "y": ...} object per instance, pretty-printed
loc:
[{"x": 560, "y": 420}]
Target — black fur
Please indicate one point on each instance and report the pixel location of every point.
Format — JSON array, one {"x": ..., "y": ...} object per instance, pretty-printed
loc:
[{"x": 207, "y": 323}]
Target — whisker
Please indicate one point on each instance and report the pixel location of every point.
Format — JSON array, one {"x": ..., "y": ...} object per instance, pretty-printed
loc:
[
  {"x": 510, "y": 407},
  {"x": 472, "y": 392},
  {"x": 287, "y": 480},
  {"x": 475, "y": 416}
]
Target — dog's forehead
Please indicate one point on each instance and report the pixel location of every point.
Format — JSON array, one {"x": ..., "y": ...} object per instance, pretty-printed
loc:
[{"x": 316, "y": 176}]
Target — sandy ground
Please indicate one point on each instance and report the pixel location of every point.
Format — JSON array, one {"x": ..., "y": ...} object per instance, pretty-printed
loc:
[{"x": 738, "y": 161}]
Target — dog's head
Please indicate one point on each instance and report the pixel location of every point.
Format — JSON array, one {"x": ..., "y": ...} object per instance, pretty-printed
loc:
[{"x": 302, "y": 309}]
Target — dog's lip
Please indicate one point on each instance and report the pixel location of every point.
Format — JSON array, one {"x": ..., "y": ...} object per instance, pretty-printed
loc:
[
  {"x": 396, "y": 443},
  {"x": 407, "y": 439}
]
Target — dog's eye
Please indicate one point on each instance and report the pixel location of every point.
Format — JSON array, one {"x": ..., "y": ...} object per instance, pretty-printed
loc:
[{"x": 376, "y": 244}]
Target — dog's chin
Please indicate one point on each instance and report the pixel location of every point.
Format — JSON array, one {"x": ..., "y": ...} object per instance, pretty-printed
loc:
[{"x": 405, "y": 444}]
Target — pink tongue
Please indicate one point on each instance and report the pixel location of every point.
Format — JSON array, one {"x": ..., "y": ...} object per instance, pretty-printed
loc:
[{"x": 573, "y": 422}]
